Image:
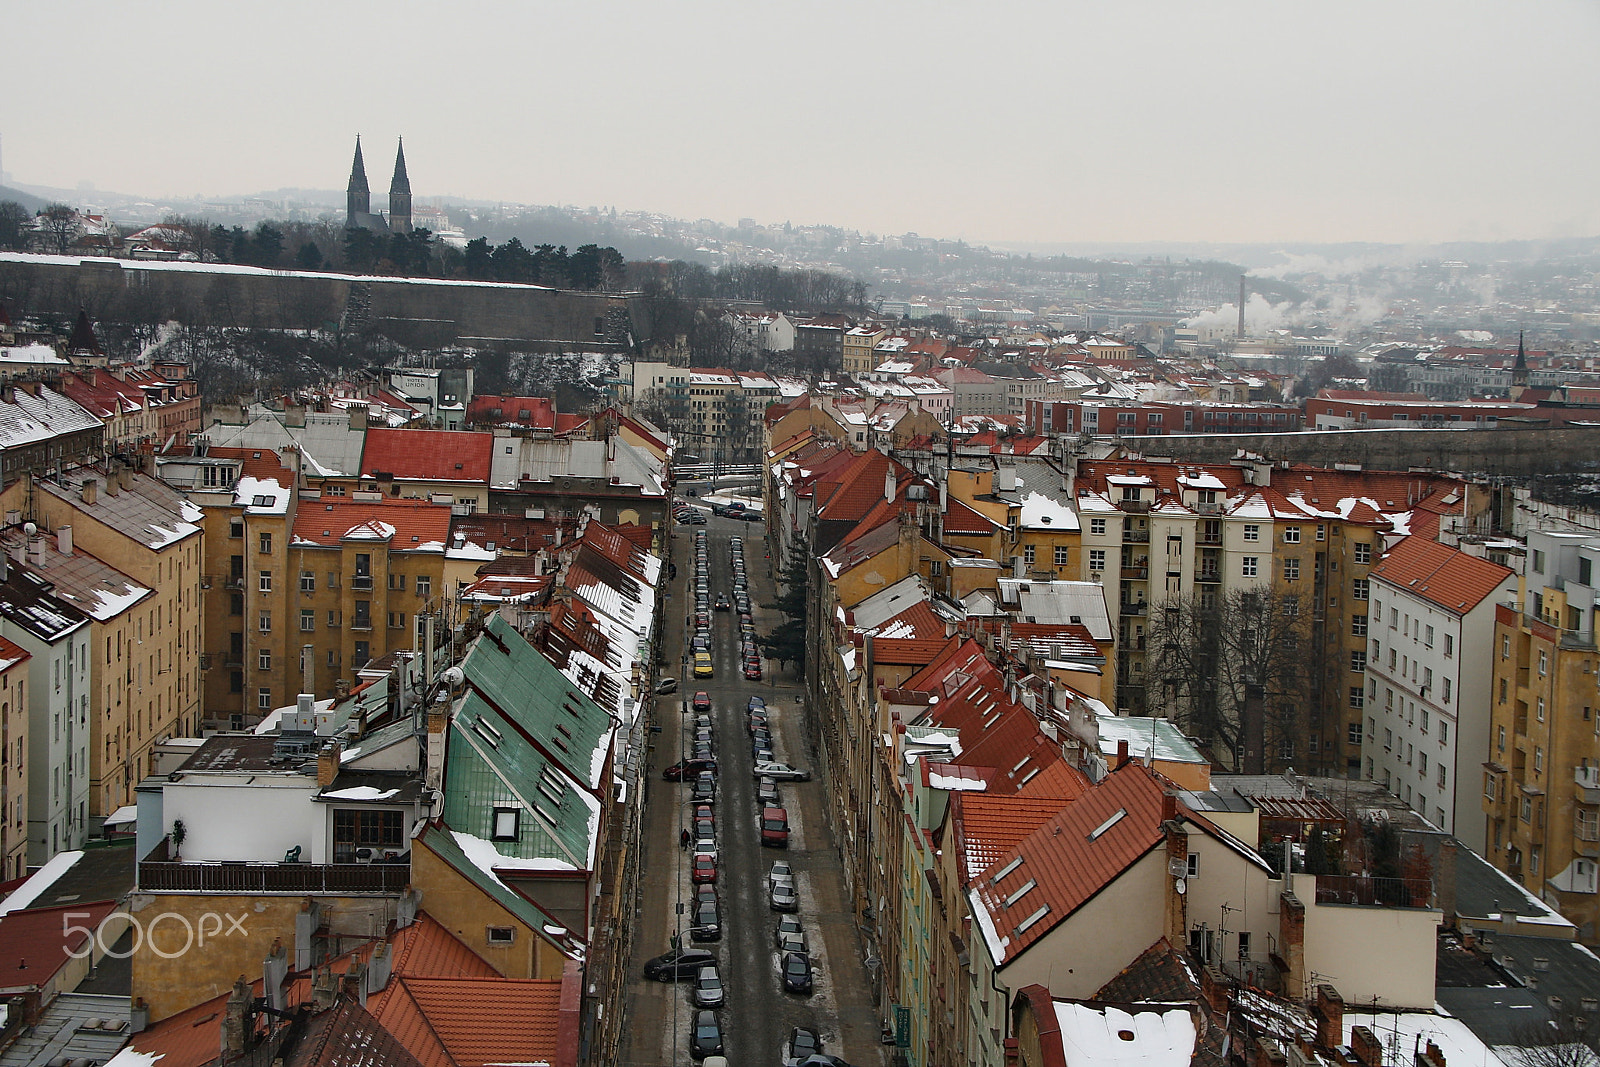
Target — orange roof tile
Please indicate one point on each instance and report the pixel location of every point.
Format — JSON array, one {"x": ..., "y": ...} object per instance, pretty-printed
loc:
[
  {"x": 989, "y": 826},
  {"x": 404, "y": 524},
  {"x": 1071, "y": 857},
  {"x": 255, "y": 463},
  {"x": 1446, "y": 576},
  {"x": 476, "y": 1021},
  {"x": 428, "y": 455}
]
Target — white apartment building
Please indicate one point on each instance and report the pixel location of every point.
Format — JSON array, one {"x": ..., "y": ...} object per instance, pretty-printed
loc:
[{"x": 1429, "y": 673}]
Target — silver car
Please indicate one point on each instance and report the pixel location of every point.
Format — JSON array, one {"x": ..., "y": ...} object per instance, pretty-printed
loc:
[
  {"x": 784, "y": 897},
  {"x": 708, "y": 988}
]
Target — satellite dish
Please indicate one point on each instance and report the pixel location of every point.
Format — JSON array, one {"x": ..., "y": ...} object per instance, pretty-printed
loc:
[{"x": 1180, "y": 885}]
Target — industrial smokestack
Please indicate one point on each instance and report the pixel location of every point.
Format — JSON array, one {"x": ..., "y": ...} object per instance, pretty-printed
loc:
[{"x": 1241, "y": 306}]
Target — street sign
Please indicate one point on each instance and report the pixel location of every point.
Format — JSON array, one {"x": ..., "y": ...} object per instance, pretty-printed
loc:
[{"x": 902, "y": 1026}]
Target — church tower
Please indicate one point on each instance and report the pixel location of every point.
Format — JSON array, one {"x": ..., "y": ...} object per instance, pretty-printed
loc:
[
  {"x": 358, "y": 198},
  {"x": 400, "y": 194},
  {"x": 1519, "y": 371}
]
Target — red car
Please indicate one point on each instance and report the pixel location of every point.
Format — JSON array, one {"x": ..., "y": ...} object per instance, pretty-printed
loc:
[
  {"x": 752, "y": 671},
  {"x": 702, "y": 701},
  {"x": 704, "y": 871}
]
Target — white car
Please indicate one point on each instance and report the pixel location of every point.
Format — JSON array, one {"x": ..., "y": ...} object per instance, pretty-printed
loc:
[
  {"x": 781, "y": 872},
  {"x": 781, "y": 772}
]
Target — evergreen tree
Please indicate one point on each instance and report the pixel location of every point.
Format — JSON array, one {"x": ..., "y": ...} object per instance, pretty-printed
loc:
[
  {"x": 267, "y": 246},
  {"x": 360, "y": 249},
  {"x": 15, "y": 225},
  {"x": 478, "y": 261},
  {"x": 308, "y": 258}
]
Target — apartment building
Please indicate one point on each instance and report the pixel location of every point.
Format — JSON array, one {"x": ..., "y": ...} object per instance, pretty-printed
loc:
[
  {"x": 1428, "y": 680},
  {"x": 1541, "y": 781},
  {"x": 859, "y": 348},
  {"x": 14, "y": 731},
  {"x": 725, "y": 410}
]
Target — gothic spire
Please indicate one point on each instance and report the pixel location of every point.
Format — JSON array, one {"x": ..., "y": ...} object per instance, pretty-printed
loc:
[
  {"x": 358, "y": 198},
  {"x": 401, "y": 183},
  {"x": 400, "y": 194}
]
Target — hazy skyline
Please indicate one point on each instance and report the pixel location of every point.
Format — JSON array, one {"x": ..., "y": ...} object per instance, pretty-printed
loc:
[{"x": 1235, "y": 121}]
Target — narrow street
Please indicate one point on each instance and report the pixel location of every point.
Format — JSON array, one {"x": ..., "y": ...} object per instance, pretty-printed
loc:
[{"x": 758, "y": 1014}]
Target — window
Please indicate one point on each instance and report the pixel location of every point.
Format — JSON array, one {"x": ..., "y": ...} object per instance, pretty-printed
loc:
[
  {"x": 1291, "y": 607},
  {"x": 1097, "y": 559},
  {"x": 1505, "y": 646},
  {"x": 333, "y": 659},
  {"x": 266, "y": 544},
  {"x": 1358, "y": 696},
  {"x": 1291, "y": 535},
  {"x": 1544, "y": 662},
  {"x": 1193, "y": 864},
  {"x": 1358, "y": 626},
  {"x": 1538, "y": 561},
  {"x": 1500, "y": 738},
  {"x": 1538, "y": 759},
  {"x": 505, "y": 823},
  {"x": 1539, "y": 707},
  {"x": 501, "y": 935},
  {"x": 264, "y": 582},
  {"x": 1291, "y": 570},
  {"x": 1358, "y": 660},
  {"x": 1247, "y": 566},
  {"x": 308, "y": 582},
  {"x": 264, "y": 659},
  {"x": 363, "y": 653},
  {"x": 1244, "y": 944},
  {"x": 1422, "y": 766},
  {"x": 1502, "y": 690},
  {"x": 1353, "y": 733},
  {"x": 1363, "y": 552},
  {"x": 397, "y": 581},
  {"x": 236, "y": 604},
  {"x": 363, "y": 619},
  {"x": 1322, "y": 532},
  {"x": 1444, "y": 731},
  {"x": 1097, "y": 527},
  {"x": 1427, "y": 637},
  {"x": 1252, "y": 532},
  {"x": 397, "y": 620},
  {"x": 308, "y": 620},
  {"x": 360, "y": 828},
  {"x": 264, "y": 622},
  {"x": 424, "y": 585},
  {"x": 264, "y": 698},
  {"x": 1027, "y": 554},
  {"x": 1488, "y": 787},
  {"x": 1441, "y": 774},
  {"x": 1359, "y": 588},
  {"x": 1061, "y": 555},
  {"x": 236, "y": 681}
]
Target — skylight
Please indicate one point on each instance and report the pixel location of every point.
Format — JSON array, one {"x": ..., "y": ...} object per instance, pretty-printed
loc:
[
  {"x": 1022, "y": 927},
  {"x": 1108, "y": 824},
  {"x": 1020, "y": 892},
  {"x": 1007, "y": 869}
]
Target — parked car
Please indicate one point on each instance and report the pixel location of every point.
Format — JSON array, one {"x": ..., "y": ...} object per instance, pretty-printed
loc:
[
  {"x": 690, "y": 769},
  {"x": 701, "y": 701},
  {"x": 802, "y": 1042},
  {"x": 767, "y": 793},
  {"x": 752, "y": 671},
  {"x": 781, "y": 772},
  {"x": 704, "y": 870},
  {"x": 707, "y": 1037},
  {"x": 666, "y": 685},
  {"x": 774, "y": 828},
  {"x": 781, "y": 869},
  {"x": 708, "y": 988},
  {"x": 796, "y": 972},
  {"x": 755, "y": 702},
  {"x": 680, "y": 963},
  {"x": 705, "y": 790},
  {"x": 706, "y": 922},
  {"x": 789, "y": 928},
  {"x": 703, "y": 893},
  {"x": 702, "y": 665},
  {"x": 783, "y": 896}
]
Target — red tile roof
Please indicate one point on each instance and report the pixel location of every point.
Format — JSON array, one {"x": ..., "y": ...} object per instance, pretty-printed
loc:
[
  {"x": 1071, "y": 857},
  {"x": 988, "y": 826},
  {"x": 346, "y": 1035},
  {"x": 906, "y": 651},
  {"x": 428, "y": 455},
  {"x": 404, "y": 524},
  {"x": 37, "y": 944},
  {"x": 259, "y": 463},
  {"x": 1446, "y": 576},
  {"x": 471, "y": 1022},
  {"x": 487, "y": 409}
]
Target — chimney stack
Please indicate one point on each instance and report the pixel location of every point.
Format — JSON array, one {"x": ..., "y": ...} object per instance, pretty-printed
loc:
[
  {"x": 236, "y": 1024},
  {"x": 888, "y": 484},
  {"x": 328, "y": 763},
  {"x": 1329, "y": 1014},
  {"x": 1122, "y": 754},
  {"x": 64, "y": 540},
  {"x": 90, "y": 490},
  {"x": 1366, "y": 1047}
]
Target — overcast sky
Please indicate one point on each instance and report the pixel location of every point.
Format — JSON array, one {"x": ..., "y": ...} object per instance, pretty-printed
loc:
[{"x": 1112, "y": 120}]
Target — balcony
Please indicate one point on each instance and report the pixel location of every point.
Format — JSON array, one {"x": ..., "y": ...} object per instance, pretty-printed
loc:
[
  {"x": 361, "y": 879},
  {"x": 1587, "y": 780},
  {"x": 234, "y": 582},
  {"x": 1133, "y": 608},
  {"x": 1586, "y": 839},
  {"x": 1211, "y": 576},
  {"x": 1363, "y": 891},
  {"x": 1135, "y": 537},
  {"x": 361, "y": 581},
  {"x": 1134, "y": 507},
  {"x": 1135, "y": 573}
]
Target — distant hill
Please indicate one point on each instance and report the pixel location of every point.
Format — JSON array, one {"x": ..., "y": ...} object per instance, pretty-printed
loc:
[{"x": 32, "y": 203}]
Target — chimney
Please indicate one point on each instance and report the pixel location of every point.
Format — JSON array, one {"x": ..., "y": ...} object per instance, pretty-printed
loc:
[
  {"x": 125, "y": 478},
  {"x": 328, "y": 763},
  {"x": 379, "y": 967},
  {"x": 308, "y": 674},
  {"x": 352, "y": 986},
  {"x": 1292, "y": 943},
  {"x": 1329, "y": 1014},
  {"x": 36, "y": 550},
  {"x": 1366, "y": 1047},
  {"x": 888, "y": 484},
  {"x": 111, "y": 483},
  {"x": 1122, "y": 754},
  {"x": 235, "y": 1026},
  {"x": 1269, "y": 1053},
  {"x": 274, "y": 969},
  {"x": 1169, "y": 808},
  {"x": 324, "y": 990},
  {"x": 90, "y": 490},
  {"x": 64, "y": 540},
  {"x": 1215, "y": 988},
  {"x": 1432, "y": 1055},
  {"x": 341, "y": 688}
]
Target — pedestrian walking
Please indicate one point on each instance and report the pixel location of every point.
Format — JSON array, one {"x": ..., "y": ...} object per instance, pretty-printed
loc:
[{"x": 683, "y": 839}]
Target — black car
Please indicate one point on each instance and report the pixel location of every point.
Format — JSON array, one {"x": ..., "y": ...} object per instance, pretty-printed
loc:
[
  {"x": 680, "y": 964},
  {"x": 705, "y": 790},
  {"x": 707, "y": 1037},
  {"x": 796, "y": 972},
  {"x": 803, "y": 1041},
  {"x": 721, "y": 603},
  {"x": 755, "y": 702},
  {"x": 707, "y": 925}
]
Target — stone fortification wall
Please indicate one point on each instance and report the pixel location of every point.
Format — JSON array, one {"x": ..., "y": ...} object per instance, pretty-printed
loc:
[
  {"x": 428, "y": 312},
  {"x": 1508, "y": 452}
]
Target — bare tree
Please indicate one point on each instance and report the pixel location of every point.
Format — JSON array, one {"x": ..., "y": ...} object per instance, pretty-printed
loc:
[
  {"x": 1235, "y": 669},
  {"x": 58, "y": 228},
  {"x": 1567, "y": 1040}
]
